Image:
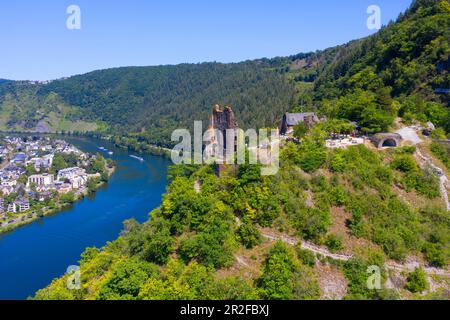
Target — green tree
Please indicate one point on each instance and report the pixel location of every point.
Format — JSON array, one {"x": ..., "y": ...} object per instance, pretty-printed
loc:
[
  {"x": 284, "y": 278},
  {"x": 334, "y": 243},
  {"x": 59, "y": 163},
  {"x": 248, "y": 234},
  {"x": 126, "y": 280},
  {"x": 68, "y": 198},
  {"x": 300, "y": 130}
]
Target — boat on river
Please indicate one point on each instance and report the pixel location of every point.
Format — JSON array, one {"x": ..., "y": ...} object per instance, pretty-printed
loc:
[{"x": 136, "y": 157}]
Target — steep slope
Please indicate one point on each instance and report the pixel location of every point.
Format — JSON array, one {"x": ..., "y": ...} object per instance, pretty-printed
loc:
[
  {"x": 409, "y": 56},
  {"x": 209, "y": 242},
  {"x": 394, "y": 72}
]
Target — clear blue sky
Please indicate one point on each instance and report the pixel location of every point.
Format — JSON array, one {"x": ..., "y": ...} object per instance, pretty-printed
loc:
[{"x": 36, "y": 45}]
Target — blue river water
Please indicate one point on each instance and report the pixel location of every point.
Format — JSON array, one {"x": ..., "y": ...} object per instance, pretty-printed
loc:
[{"x": 33, "y": 255}]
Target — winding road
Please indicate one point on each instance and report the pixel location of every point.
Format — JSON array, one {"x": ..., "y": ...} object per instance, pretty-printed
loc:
[
  {"x": 342, "y": 257},
  {"x": 410, "y": 134}
]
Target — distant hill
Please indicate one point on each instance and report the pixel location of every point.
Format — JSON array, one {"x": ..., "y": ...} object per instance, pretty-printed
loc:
[{"x": 155, "y": 100}]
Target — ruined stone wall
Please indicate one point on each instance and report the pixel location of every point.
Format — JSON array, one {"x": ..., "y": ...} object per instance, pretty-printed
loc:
[{"x": 224, "y": 119}]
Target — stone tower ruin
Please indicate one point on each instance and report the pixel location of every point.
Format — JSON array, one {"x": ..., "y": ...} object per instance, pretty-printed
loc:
[{"x": 220, "y": 121}]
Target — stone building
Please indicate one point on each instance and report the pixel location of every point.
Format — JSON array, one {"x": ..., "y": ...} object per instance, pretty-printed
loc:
[{"x": 221, "y": 121}]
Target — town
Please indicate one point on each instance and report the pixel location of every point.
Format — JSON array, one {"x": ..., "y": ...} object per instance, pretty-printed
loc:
[{"x": 40, "y": 175}]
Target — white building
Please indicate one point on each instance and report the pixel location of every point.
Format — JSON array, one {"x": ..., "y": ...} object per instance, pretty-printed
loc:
[
  {"x": 70, "y": 173},
  {"x": 76, "y": 176},
  {"x": 18, "y": 206},
  {"x": 41, "y": 179},
  {"x": 6, "y": 190},
  {"x": 9, "y": 183},
  {"x": 79, "y": 181},
  {"x": 45, "y": 161}
]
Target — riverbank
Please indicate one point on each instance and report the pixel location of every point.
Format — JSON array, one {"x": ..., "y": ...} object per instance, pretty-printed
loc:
[
  {"x": 126, "y": 143},
  {"x": 58, "y": 206},
  {"x": 38, "y": 252}
]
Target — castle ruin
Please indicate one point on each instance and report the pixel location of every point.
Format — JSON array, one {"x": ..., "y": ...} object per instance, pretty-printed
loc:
[{"x": 221, "y": 121}]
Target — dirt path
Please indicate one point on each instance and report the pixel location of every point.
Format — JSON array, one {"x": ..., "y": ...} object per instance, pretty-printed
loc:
[
  {"x": 307, "y": 246},
  {"x": 443, "y": 179},
  {"x": 410, "y": 134},
  {"x": 341, "y": 257}
]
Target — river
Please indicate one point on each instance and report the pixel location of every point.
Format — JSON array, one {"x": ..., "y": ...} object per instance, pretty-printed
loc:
[{"x": 32, "y": 255}]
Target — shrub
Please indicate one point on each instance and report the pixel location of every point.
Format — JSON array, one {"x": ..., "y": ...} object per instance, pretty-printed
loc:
[
  {"x": 355, "y": 270},
  {"x": 337, "y": 163},
  {"x": 126, "y": 280},
  {"x": 300, "y": 130},
  {"x": 405, "y": 150},
  {"x": 417, "y": 281},
  {"x": 213, "y": 246},
  {"x": 306, "y": 257},
  {"x": 278, "y": 273},
  {"x": 338, "y": 196},
  {"x": 283, "y": 277},
  {"x": 404, "y": 163},
  {"x": 435, "y": 255},
  {"x": 334, "y": 243},
  {"x": 442, "y": 152},
  {"x": 311, "y": 222},
  {"x": 158, "y": 247},
  {"x": 427, "y": 184},
  {"x": 312, "y": 157},
  {"x": 438, "y": 134}
]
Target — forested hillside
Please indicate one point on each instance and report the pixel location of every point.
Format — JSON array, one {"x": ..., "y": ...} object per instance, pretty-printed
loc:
[
  {"x": 335, "y": 212},
  {"x": 215, "y": 242},
  {"x": 153, "y": 101},
  {"x": 392, "y": 73}
]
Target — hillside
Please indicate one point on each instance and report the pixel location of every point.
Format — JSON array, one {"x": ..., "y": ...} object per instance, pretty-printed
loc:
[
  {"x": 392, "y": 73},
  {"x": 313, "y": 230},
  {"x": 23, "y": 110},
  {"x": 334, "y": 212},
  {"x": 153, "y": 101}
]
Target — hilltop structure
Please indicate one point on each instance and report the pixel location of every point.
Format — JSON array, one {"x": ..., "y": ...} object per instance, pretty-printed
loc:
[
  {"x": 220, "y": 122},
  {"x": 290, "y": 120}
]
